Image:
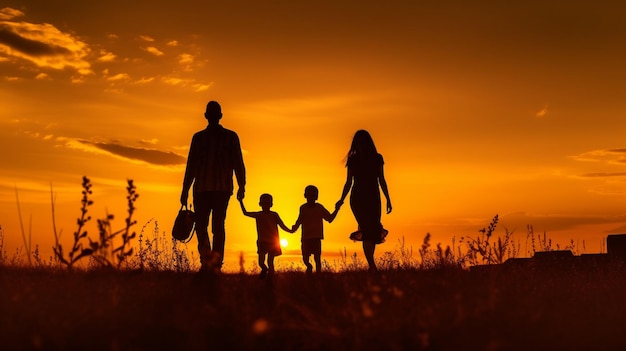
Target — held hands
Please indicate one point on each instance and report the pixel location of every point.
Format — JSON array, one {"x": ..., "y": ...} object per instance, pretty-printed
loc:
[
  {"x": 338, "y": 205},
  {"x": 241, "y": 193}
]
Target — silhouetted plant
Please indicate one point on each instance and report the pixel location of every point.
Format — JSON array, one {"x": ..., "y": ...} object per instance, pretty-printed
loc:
[
  {"x": 27, "y": 242},
  {"x": 481, "y": 250},
  {"x": 353, "y": 264},
  {"x": 3, "y": 254},
  {"x": 104, "y": 251},
  {"x": 423, "y": 251},
  {"x": 406, "y": 254},
  {"x": 77, "y": 251},
  {"x": 161, "y": 252}
]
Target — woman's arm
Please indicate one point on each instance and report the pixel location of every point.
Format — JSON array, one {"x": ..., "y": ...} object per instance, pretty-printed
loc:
[
  {"x": 383, "y": 186},
  {"x": 346, "y": 187}
]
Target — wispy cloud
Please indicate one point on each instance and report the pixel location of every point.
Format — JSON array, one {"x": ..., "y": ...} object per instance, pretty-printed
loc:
[
  {"x": 154, "y": 51},
  {"x": 611, "y": 156},
  {"x": 125, "y": 152},
  {"x": 552, "y": 222},
  {"x": 543, "y": 112},
  {"x": 24, "y": 44},
  {"x": 8, "y": 13},
  {"x": 118, "y": 77},
  {"x": 173, "y": 80},
  {"x": 144, "y": 80},
  {"x": 185, "y": 59},
  {"x": 146, "y": 38},
  {"x": 603, "y": 174},
  {"x": 41, "y": 44},
  {"x": 106, "y": 56}
]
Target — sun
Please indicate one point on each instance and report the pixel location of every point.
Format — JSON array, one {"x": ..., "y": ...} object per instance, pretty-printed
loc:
[{"x": 284, "y": 242}]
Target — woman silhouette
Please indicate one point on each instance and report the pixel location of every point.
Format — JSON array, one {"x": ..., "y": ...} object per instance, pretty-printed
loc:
[{"x": 365, "y": 175}]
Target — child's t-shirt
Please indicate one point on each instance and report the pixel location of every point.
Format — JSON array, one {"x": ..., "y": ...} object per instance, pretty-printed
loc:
[
  {"x": 310, "y": 218},
  {"x": 266, "y": 225}
]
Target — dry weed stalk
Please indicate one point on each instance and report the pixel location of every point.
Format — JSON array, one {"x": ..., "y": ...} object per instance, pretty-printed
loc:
[{"x": 103, "y": 250}]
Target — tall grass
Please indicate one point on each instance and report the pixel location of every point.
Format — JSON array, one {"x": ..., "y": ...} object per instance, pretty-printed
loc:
[
  {"x": 158, "y": 251},
  {"x": 107, "y": 250}
]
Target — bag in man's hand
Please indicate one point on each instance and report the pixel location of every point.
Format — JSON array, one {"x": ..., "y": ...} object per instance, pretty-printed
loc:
[{"x": 184, "y": 225}]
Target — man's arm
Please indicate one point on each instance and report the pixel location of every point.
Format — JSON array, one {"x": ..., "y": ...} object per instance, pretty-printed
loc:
[
  {"x": 189, "y": 174},
  {"x": 243, "y": 209},
  {"x": 240, "y": 169}
]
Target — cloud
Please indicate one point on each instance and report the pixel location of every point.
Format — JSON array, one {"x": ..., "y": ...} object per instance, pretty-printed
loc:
[
  {"x": 604, "y": 174},
  {"x": 173, "y": 80},
  {"x": 553, "y": 222},
  {"x": 611, "y": 156},
  {"x": 129, "y": 153},
  {"x": 144, "y": 80},
  {"x": 543, "y": 112},
  {"x": 119, "y": 77},
  {"x": 146, "y": 38},
  {"x": 42, "y": 44},
  {"x": 202, "y": 87},
  {"x": 154, "y": 51},
  {"x": 8, "y": 13},
  {"x": 185, "y": 59},
  {"x": 172, "y": 43},
  {"x": 149, "y": 141},
  {"x": 106, "y": 57}
]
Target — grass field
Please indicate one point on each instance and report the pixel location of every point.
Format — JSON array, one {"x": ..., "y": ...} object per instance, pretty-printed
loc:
[
  {"x": 104, "y": 293},
  {"x": 409, "y": 309}
]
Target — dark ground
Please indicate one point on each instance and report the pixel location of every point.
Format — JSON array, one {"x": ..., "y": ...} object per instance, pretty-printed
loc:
[{"x": 569, "y": 308}]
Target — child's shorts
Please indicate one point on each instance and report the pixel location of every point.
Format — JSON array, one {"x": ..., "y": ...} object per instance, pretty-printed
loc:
[
  {"x": 272, "y": 248},
  {"x": 311, "y": 247}
]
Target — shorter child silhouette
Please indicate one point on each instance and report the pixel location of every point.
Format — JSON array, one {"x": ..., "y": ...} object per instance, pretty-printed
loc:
[
  {"x": 268, "y": 240},
  {"x": 311, "y": 218}
]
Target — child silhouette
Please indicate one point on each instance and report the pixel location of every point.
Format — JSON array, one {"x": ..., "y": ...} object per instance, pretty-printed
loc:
[
  {"x": 268, "y": 240},
  {"x": 311, "y": 218}
]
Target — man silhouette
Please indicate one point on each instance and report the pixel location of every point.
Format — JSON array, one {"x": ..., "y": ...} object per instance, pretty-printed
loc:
[{"x": 214, "y": 155}]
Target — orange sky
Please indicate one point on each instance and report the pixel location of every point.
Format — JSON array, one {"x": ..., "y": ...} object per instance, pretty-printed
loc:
[{"x": 478, "y": 109}]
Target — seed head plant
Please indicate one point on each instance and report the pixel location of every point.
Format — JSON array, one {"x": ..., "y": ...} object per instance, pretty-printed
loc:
[{"x": 103, "y": 251}]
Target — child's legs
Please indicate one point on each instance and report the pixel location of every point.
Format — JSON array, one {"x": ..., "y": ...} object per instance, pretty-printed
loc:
[
  {"x": 318, "y": 262},
  {"x": 306, "y": 253},
  {"x": 316, "y": 249},
  {"x": 270, "y": 262},
  {"x": 262, "y": 261},
  {"x": 305, "y": 259}
]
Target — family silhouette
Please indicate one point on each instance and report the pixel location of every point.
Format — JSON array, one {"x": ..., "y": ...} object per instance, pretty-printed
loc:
[{"x": 215, "y": 156}]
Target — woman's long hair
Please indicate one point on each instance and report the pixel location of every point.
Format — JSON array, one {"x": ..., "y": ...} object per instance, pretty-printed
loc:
[{"x": 362, "y": 147}]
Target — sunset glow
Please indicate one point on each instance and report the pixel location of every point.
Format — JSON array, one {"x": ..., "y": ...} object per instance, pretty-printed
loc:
[{"x": 478, "y": 109}]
